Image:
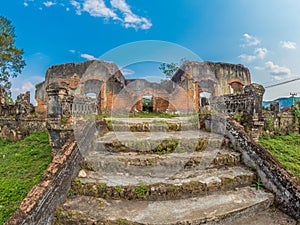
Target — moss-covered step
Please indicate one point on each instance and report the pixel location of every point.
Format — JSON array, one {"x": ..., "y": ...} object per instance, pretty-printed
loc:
[
  {"x": 155, "y": 126},
  {"x": 158, "y": 142},
  {"x": 217, "y": 208},
  {"x": 142, "y": 164},
  {"x": 176, "y": 185}
]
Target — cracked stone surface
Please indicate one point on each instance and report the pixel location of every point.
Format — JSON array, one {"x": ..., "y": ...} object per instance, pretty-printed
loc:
[{"x": 211, "y": 209}]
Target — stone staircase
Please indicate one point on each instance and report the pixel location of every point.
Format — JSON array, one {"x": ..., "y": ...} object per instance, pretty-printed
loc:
[{"x": 166, "y": 176}]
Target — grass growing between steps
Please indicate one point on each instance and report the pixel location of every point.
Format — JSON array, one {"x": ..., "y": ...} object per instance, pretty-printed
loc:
[
  {"x": 21, "y": 166},
  {"x": 286, "y": 149}
]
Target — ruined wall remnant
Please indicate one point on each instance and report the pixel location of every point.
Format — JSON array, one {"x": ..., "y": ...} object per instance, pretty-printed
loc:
[
  {"x": 182, "y": 94},
  {"x": 274, "y": 107},
  {"x": 216, "y": 78},
  {"x": 21, "y": 108},
  {"x": 2, "y": 96},
  {"x": 23, "y": 105},
  {"x": 18, "y": 119},
  {"x": 273, "y": 175},
  {"x": 279, "y": 122},
  {"x": 213, "y": 79},
  {"x": 97, "y": 77},
  {"x": 249, "y": 101}
]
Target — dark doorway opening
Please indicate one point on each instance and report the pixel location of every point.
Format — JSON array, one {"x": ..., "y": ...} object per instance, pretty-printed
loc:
[{"x": 205, "y": 99}]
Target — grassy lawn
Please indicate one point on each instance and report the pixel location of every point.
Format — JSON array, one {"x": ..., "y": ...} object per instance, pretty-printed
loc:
[
  {"x": 21, "y": 166},
  {"x": 286, "y": 149}
]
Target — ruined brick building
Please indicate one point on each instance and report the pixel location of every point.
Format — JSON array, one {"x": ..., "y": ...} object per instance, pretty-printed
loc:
[{"x": 191, "y": 88}]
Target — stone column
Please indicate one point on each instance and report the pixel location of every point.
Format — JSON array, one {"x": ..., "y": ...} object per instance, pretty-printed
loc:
[{"x": 59, "y": 130}]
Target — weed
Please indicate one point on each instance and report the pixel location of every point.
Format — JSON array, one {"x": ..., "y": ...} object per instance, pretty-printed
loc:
[
  {"x": 141, "y": 190},
  {"x": 269, "y": 123},
  {"x": 118, "y": 189},
  {"x": 257, "y": 184},
  {"x": 166, "y": 146},
  {"x": 87, "y": 166},
  {"x": 202, "y": 144}
]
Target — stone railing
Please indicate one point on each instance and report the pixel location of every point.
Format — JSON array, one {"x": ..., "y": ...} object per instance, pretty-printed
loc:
[
  {"x": 273, "y": 175},
  {"x": 38, "y": 207}
]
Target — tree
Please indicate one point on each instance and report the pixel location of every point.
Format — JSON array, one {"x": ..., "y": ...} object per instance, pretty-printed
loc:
[
  {"x": 148, "y": 104},
  {"x": 169, "y": 69},
  {"x": 296, "y": 109},
  {"x": 11, "y": 58}
]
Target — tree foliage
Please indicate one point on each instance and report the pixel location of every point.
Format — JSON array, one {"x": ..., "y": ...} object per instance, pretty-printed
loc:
[
  {"x": 296, "y": 109},
  {"x": 169, "y": 69},
  {"x": 147, "y": 104},
  {"x": 11, "y": 58}
]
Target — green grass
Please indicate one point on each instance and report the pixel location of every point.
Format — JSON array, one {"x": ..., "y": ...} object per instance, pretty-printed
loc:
[
  {"x": 21, "y": 166},
  {"x": 286, "y": 149}
]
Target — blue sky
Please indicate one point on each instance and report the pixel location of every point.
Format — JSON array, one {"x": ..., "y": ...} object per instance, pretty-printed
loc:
[{"x": 262, "y": 35}]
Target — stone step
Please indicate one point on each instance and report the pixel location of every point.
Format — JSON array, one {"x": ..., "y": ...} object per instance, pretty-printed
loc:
[
  {"x": 217, "y": 208},
  {"x": 136, "y": 164},
  {"x": 271, "y": 216},
  {"x": 151, "y": 127},
  {"x": 163, "y": 185},
  {"x": 158, "y": 142}
]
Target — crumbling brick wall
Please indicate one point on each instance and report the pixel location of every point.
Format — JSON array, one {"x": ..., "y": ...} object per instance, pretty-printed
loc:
[{"x": 181, "y": 94}]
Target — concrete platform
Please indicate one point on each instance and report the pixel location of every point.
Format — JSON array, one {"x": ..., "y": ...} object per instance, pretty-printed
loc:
[{"x": 216, "y": 208}]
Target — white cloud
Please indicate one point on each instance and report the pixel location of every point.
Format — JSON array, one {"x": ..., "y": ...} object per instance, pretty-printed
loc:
[
  {"x": 117, "y": 11},
  {"x": 121, "y": 5},
  {"x": 97, "y": 8},
  {"x": 49, "y": 3},
  {"x": 72, "y": 51},
  {"x": 127, "y": 72},
  {"x": 288, "y": 44},
  {"x": 250, "y": 40},
  {"x": 76, "y": 6},
  {"x": 87, "y": 56},
  {"x": 25, "y": 4},
  {"x": 129, "y": 18},
  {"x": 259, "y": 68},
  {"x": 247, "y": 58},
  {"x": 259, "y": 53},
  {"x": 277, "y": 70},
  {"x": 27, "y": 86}
]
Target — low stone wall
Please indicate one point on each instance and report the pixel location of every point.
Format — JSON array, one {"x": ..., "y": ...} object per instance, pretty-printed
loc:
[
  {"x": 273, "y": 175},
  {"x": 39, "y": 205},
  {"x": 282, "y": 122},
  {"x": 17, "y": 129}
]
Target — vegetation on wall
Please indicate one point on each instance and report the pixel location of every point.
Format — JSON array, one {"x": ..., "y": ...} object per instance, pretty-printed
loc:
[
  {"x": 296, "y": 111},
  {"x": 21, "y": 166},
  {"x": 286, "y": 149}
]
